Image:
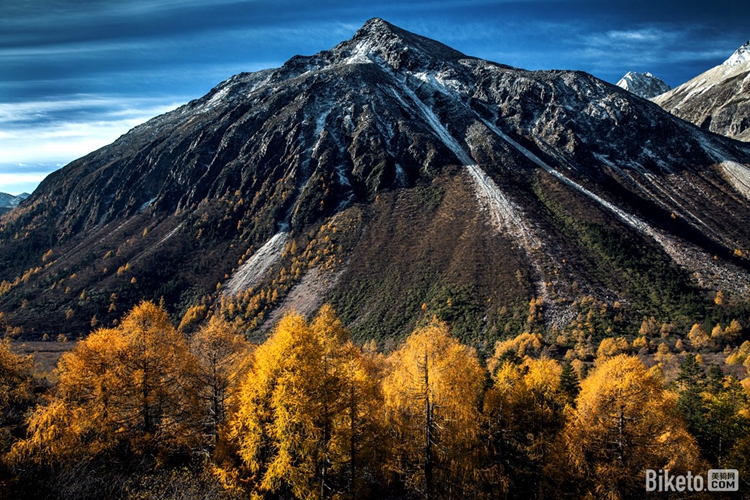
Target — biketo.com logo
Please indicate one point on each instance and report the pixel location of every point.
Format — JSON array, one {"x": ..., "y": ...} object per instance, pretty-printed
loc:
[{"x": 715, "y": 480}]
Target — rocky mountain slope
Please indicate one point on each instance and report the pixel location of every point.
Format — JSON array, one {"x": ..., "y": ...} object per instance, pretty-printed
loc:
[
  {"x": 643, "y": 85},
  {"x": 10, "y": 201},
  {"x": 717, "y": 100},
  {"x": 396, "y": 178}
]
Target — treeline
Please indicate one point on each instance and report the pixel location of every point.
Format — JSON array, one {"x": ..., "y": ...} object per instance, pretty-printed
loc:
[{"x": 143, "y": 411}]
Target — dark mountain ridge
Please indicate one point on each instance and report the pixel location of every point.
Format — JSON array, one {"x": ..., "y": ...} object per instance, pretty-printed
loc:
[{"x": 395, "y": 177}]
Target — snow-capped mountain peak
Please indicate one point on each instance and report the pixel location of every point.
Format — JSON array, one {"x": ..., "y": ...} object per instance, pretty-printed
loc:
[
  {"x": 741, "y": 55},
  {"x": 643, "y": 85},
  {"x": 398, "y": 48},
  {"x": 718, "y": 99}
]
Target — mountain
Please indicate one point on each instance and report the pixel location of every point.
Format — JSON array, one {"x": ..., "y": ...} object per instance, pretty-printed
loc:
[
  {"x": 740, "y": 56},
  {"x": 395, "y": 178},
  {"x": 643, "y": 85},
  {"x": 717, "y": 100},
  {"x": 9, "y": 201}
]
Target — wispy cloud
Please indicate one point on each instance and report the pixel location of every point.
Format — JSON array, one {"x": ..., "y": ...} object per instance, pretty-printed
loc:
[
  {"x": 46, "y": 11},
  {"x": 61, "y": 142},
  {"x": 677, "y": 49},
  {"x": 71, "y": 48},
  {"x": 112, "y": 108},
  {"x": 639, "y": 35},
  {"x": 33, "y": 142},
  {"x": 20, "y": 182}
]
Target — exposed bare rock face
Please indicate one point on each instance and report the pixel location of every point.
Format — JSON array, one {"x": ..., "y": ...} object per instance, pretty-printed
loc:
[
  {"x": 394, "y": 177},
  {"x": 717, "y": 100}
]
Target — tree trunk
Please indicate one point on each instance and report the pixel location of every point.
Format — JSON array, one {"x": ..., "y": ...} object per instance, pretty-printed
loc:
[{"x": 427, "y": 432}]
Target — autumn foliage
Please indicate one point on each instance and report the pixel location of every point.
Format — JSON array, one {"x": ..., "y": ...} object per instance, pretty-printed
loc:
[
  {"x": 624, "y": 423},
  {"x": 432, "y": 393},
  {"x": 140, "y": 410}
]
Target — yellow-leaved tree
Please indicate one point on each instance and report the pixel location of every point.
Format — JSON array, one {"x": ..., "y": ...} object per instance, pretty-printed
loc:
[
  {"x": 15, "y": 391},
  {"x": 623, "y": 424},
  {"x": 432, "y": 396},
  {"x": 305, "y": 411},
  {"x": 16, "y": 394},
  {"x": 354, "y": 422},
  {"x": 221, "y": 357},
  {"x": 118, "y": 391},
  {"x": 524, "y": 412}
]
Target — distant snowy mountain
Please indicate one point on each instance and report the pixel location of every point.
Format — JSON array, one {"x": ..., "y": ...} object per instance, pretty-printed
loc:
[
  {"x": 740, "y": 56},
  {"x": 9, "y": 201},
  {"x": 643, "y": 85},
  {"x": 717, "y": 100}
]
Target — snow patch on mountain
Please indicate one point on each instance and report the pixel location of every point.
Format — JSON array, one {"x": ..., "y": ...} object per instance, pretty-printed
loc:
[
  {"x": 218, "y": 98},
  {"x": 684, "y": 254},
  {"x": 440, "y": 82},
  {"x": 251, "y": 272},
  {"x": 434, "y": 122},
  {"x": 505, "y": 216},
  {"x": 740, "y": 56},
  {"x": 716, "y": 100},
  {"x": 360, "y": 55},
  {"x": 643, "y": 85},
  {"x": 738, "y": 176}
]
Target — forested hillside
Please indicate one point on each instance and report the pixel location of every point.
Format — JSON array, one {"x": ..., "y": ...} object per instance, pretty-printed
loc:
[{"x": 142, "y": 410}]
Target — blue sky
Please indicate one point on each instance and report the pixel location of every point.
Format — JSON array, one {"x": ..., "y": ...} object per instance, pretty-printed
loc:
[{"x": 76, "y": 74}]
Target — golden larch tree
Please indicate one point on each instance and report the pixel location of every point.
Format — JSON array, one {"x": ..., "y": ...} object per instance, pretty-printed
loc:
[
  {"x": 303, "y": 408},
  {"x": 623, "y": 424},
  {"x": 119, "y": 386},
  {"x": 351, "y": 433},
  {"x": 524, "y": 412},
  {"x": 432, "y": 395},
  {"x": 221, "y": 357},
  {"x": 15, "y": 390},
  {"x": 16, "y": 395}
]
